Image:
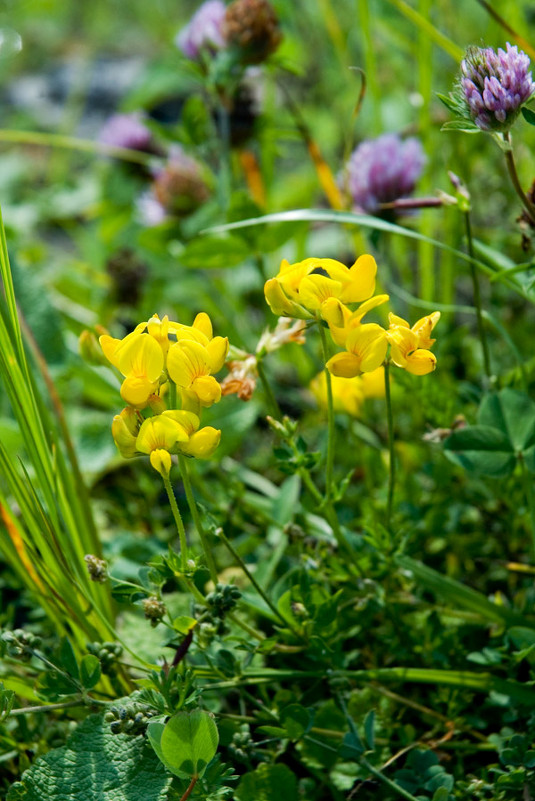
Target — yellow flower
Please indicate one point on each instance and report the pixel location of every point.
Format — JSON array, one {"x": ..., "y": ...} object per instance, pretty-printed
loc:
[
  {"x": 124, "y": 429},
  {"x": 302, "y": 289},
  {"x": 342, "y": 321},
  {"x": 201, "y": 443},
  {"x": 366, "y": 348},
  {"x": 190, "y": 365},
  {"x": 409, "y": 347}
]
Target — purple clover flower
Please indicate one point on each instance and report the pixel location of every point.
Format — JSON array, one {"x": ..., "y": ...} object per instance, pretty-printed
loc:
[
  {"x": 129, "y": 131},
  {"x": 495, "y": 85},
  {"x": 383, "y": 170},
  {"x": 204, "y": 30}
]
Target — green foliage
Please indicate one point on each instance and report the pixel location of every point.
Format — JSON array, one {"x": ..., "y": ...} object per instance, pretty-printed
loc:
[
  {"x": 186, "y": 743},
  {"x": 266, "y": 783},
  {"x": 505, "y": 433},
  {"x": 95, "y": 764}
]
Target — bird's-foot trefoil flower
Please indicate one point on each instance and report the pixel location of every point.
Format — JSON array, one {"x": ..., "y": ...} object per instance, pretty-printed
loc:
[{"x": 409, "y": 347}]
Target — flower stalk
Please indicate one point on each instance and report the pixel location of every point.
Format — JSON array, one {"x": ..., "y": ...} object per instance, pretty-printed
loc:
[{"x": 392, "y": 455}]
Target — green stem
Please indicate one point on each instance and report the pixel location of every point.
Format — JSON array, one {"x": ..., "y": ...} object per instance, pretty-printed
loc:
[
  {"x": 25, "y": 710},
  {"x": 178, "y": 521},
  {"x": 393, "y": 786},
  {"x": 477, "y": 297},
  {"x": 274, "y": 407},
  {"x": 528, "y": 488},
  {"x": 40, "y": 139},
  {"x": 330, "y": 416},
  {"x": 182, "y": 463},
  {"x": 392, "y": 464},
  {"x": 511, "y": 167},
  {"x": 221, "y": 534}
]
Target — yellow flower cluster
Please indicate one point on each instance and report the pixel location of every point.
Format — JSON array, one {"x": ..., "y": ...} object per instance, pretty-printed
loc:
[
  {"x": 160, "y": 361},
  {"x": 324, "y": 289}
]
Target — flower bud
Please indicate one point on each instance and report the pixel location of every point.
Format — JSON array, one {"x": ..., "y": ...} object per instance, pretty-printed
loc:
[{"x": 253, "y": 27}]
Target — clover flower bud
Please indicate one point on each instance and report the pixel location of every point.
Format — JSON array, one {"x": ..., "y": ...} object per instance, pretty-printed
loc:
[
  {"x": 495, "y": 85},
  {"x": 154, "y": 610},
  {"x": 383, "y": 170},
  {"x": 204, "y": 31},
  {"x": 97, "y": 568},
  {"x": 253, "y": 27},
  {"x": 128, "y": 131},
  {"x": 178, "y": 190}
]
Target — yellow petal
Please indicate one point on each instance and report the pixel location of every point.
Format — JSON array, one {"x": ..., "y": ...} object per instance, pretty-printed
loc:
[
  {"x": 280, "y": 304},
  {"x": 124, "y": 438},
  {"x": 188, "y": 420},
  {"x": 109, "y": 347},
  {"x": 361, "y": 280},
  {"x": 207, "y": 390},
  {"x": 203, "y": 443},
  {"x": 315, "y": 289},
  {"x": 366, "y": 307},
  {"x": 186, "y": 361},
  {"x": 217, "y": 350},
  {"x": 137, "y": 391},
  {"x": 421, "y": 362},
  {"x": 334, "y": 313},
  {"x": 203, "y": 324},
  {"x": 397, "y": 322},
  {"x": 344, "y": 364},
  {"x": 141, "y": 356},
  {"x": 159, "y": 432},
  {"x": 373, "y": 383},
  {"x": 369, "y": 343},
  {"x": 160, "y": 459}
]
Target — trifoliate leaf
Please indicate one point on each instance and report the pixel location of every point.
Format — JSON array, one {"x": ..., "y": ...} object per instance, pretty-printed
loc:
[{"x": 187, "y": 742}]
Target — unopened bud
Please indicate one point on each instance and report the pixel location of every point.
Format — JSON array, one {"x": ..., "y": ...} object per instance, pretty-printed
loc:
[{"x": 97, "y": 568}]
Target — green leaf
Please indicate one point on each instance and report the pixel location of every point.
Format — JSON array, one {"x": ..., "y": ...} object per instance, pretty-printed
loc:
[
  {"x": 89, "y": 671},
  {"x": 481, "y": 449},
  {"x": 7, "y": 699},
  {"x": 528, "y": 115},
  {"x": 266, "y": 783},
  {"x": 511, "y": 412},
  {"x": 286, "y": 503},
  {"x": 67, "y": 658},
  {"x": 461, "y": 125},
  {"x": 369, "y": 726},
  {"x": 189, "y": 742},
  {"x": 352, "y": 746},
  {"x": 296, "y": 720},
  {"x": 94, "y": 765}
]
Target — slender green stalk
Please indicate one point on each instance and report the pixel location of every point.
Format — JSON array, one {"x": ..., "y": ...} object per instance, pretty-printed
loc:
[
  {"x": 179, "y": 522},
  {"x": 389, "y": 783},
  {"x": 25, "y": 710},
  {"x": 330, "y": 417},
  {"x": 392, "y": 459},
  {"x": 273, "y": 404},
  {"x": 477, "y": 297},
  {"x": 221, "y": 534},
  {"x": 511, "y": 168},
  {"x": 530, "y": 497},
  {"x": 184, "y": 472},
  {"x": 40, "y": 139}
]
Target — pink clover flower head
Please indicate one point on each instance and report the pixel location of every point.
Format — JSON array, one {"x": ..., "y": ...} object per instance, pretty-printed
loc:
[
  {"x": 128, "y": 131},
  {"x": 382, "y": 170},
  {"x": 203, "y": 31},
  {"x": 495, "y": 85}
]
